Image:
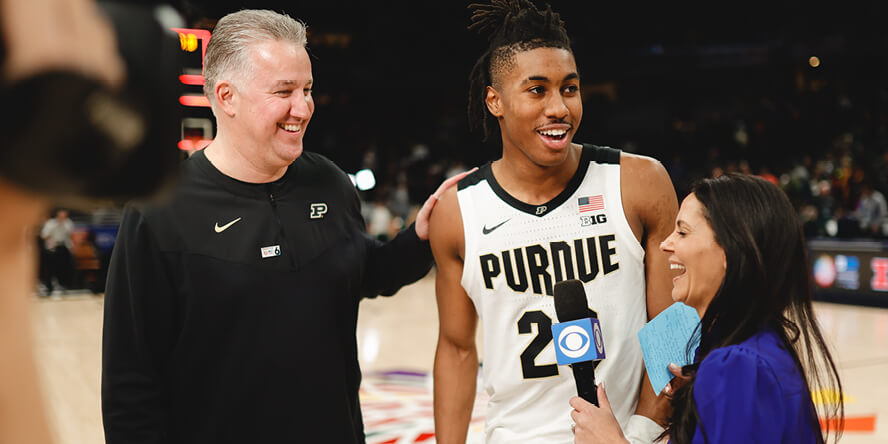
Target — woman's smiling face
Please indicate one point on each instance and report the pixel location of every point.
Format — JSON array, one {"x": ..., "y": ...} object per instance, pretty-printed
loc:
[{"x": 695, "y": 256}]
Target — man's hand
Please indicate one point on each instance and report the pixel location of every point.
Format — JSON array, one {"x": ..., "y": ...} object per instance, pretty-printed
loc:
[{"x": 422, "y": 217}]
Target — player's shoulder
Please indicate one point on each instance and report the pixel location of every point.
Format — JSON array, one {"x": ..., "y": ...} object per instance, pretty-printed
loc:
[
  {"x": 446, "y": 210},
  {"x": 630, "y": 162},
  {"x": 474, "y": 178},
  {"x": 445, "y": 224},
  {"x": 645, "y": 176},
  {"x": 647, "y": 189},
  {"x": 641, "y": 164},
  {"x": 601, "y": 154}
]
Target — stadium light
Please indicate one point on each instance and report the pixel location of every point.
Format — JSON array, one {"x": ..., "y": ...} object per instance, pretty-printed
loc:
[{"x": 365, "y": 180}]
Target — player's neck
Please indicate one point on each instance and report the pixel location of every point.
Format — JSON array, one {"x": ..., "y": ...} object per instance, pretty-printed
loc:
[{"x": 530, "y": 182}]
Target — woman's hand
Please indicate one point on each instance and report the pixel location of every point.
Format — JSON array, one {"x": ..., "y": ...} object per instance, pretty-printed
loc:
[
  {"x": 677, "y": 382},
  {"x": 595, "y": 424}
]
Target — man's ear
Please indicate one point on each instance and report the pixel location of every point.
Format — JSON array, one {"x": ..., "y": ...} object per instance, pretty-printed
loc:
[
  {"x": 225, "y": 96},
  {"x": 494, "y": 102}
]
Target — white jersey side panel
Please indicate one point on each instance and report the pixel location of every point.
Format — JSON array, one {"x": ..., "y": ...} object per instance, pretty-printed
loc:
[{"x": 513, "y": 257}]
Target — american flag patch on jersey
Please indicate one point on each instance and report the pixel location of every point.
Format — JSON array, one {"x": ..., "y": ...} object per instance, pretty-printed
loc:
[{"x": 591, "y": 203}]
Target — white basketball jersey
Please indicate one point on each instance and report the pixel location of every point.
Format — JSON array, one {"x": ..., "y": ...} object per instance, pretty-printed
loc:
[{"x": 514, "y": 254}]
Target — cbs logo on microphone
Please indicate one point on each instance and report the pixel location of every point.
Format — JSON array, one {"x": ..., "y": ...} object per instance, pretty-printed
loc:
[{"x": 578, "y": 341}]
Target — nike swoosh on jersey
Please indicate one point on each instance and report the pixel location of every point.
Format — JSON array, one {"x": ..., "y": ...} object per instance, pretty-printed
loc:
[
  {"x": 225, "y": 227},
  {"x": 486, "y": 230}
]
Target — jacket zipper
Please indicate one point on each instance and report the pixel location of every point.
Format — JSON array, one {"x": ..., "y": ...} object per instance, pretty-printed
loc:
[{"x": 277, "y": 217}]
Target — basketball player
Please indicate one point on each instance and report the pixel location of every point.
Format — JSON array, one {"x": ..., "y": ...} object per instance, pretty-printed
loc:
[{"x": 549, "y": 209}]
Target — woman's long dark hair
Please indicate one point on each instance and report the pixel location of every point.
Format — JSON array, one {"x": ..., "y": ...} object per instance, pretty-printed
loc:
[
  {"x": 766, "y": 285},
  {"x": 511, "y": 26}
]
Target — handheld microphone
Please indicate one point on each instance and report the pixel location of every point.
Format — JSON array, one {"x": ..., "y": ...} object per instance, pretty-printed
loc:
[{"x": 577, "y": 336}]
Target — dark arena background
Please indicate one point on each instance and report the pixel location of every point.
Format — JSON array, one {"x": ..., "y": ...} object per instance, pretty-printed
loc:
[{"x": 789, "y": 90}]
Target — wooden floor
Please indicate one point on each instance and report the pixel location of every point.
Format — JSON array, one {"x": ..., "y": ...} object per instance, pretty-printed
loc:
[{"x": 397, "y": 344}]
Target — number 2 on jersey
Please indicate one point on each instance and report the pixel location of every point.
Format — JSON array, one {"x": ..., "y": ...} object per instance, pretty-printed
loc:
[
  {"x": 529, "y": 368},
  {"x": 544, "y": 335}
]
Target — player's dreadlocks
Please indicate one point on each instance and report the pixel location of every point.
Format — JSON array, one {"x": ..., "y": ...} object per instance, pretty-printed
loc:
[{"x": 514, "y": 26}]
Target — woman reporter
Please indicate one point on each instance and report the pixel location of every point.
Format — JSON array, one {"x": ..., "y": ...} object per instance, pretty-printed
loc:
[{"x": 741, "y": 262}]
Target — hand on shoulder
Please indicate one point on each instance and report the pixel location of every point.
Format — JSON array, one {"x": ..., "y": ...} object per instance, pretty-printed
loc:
[{"x": 423, "y": 218}]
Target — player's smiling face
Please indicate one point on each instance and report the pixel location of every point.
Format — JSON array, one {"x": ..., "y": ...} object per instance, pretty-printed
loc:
[{"x": 538, "y": 104}]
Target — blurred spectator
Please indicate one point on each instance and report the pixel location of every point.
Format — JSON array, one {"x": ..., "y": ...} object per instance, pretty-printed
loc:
[
  {"x": 379, "y": 220},
  {"x": 87, "y": 267},
  {"x": 57, "y": 243},
  {"x": 810, "y": 221},
  {"x": 872, "y": 211},
  {"x": 399, "y": 201}
]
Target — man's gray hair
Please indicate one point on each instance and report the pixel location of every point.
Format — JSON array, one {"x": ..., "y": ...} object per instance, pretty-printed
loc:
[{"x": 228, "y": 50}]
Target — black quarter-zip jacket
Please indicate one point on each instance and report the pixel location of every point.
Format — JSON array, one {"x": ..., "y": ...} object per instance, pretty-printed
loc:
[{"x": 230, "y": 311}]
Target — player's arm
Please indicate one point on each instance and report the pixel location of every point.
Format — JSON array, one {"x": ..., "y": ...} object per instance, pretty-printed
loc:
[
  {"x": 648, "y": 186},
  {"x": 456, "y": 358},
  {"x": 655, "y": 205}
]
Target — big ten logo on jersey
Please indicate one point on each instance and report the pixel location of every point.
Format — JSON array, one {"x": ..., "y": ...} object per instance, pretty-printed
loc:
[
  {"x": 596, "y": 219},
  {"x": 537, "y": 267},
  {"x": 198, "y": 122}
]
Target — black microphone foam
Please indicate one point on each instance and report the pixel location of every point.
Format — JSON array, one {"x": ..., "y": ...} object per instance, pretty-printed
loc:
[
  {"x": 570, "y": 301},
  {"x": 570, "y": 305}
]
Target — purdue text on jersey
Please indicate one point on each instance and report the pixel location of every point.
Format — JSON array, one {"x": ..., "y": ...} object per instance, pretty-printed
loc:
[{"x": 579, "y": 260}]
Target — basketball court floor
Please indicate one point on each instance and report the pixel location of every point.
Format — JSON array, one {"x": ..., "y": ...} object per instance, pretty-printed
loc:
[{"x": 396, "y": 339}]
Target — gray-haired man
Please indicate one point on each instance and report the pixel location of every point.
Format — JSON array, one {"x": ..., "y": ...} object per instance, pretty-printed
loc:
[{"x": 231, "y": 310}]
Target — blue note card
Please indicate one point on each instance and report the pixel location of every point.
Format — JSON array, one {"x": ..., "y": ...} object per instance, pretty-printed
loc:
[{"x": 665, "y": 339}]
